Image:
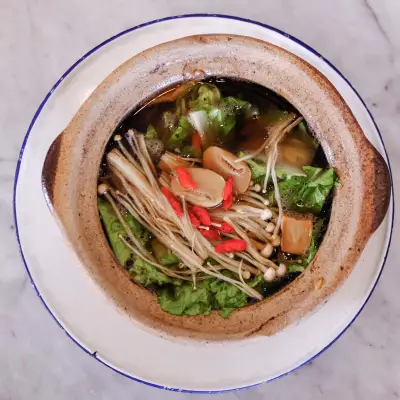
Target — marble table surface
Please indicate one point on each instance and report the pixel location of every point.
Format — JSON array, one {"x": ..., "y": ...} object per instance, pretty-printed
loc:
[{"x": 39, "y": 40}]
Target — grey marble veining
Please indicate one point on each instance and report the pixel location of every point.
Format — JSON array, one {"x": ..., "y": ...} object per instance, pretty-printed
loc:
[{"x": 39, "y": 40}]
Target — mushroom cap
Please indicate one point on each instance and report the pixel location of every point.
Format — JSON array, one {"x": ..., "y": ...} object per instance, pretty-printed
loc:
[
  {"x": 208, "y": 191},
  {"x": 223, "y": 162}
]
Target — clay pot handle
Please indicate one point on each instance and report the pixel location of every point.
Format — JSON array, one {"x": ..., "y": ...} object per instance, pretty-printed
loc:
[{"x": 49, "y": 170}]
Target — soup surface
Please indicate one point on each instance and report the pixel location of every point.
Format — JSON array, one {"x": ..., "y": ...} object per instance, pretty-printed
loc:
[{"x": 214, "y": 195}]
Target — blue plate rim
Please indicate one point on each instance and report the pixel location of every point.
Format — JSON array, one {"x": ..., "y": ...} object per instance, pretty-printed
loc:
[{"x": 93, "y": 50}]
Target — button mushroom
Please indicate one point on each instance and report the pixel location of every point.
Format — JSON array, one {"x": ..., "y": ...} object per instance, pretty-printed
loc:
[
  {"x": 208, "y": 190},
  {"x": 170, "y": 161},
  {"x": 296, "y": 233},
  {"x": 223, "y": 162}
]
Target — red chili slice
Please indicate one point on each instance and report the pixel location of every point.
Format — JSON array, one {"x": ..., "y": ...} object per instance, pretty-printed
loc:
[
  {"x": 175, "y": 204},
  {"x": 196, "y": 141},
  {"x": 202, "y": 214},
  {"x": 194, "y": 220},
  {"x": 231, "y": 245},
  {"x": 227, "y": 193},
  {"x": 226, "y": 228},
  {"x": 185, "y": 179},
  {"x": 210, "y": 234}
]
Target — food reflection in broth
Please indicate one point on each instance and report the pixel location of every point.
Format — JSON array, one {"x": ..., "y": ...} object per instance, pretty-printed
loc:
[{"x": 214, "y": 195}]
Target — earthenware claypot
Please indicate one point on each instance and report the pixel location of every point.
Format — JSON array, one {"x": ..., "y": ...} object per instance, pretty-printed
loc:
[{"x": 71, "y": 168}]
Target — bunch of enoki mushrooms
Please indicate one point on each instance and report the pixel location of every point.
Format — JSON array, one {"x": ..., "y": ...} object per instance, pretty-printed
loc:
[{"x": 238, "y": 236}]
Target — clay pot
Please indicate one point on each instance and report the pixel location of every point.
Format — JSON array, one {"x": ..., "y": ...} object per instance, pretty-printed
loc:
[{"x": 71, "y": 169}]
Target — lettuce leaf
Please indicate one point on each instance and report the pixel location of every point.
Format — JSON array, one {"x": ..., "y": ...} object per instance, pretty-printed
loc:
[
  {"x": 222, "y": 112},
  {"x": 164, "y": 255},
  {"x": 206, "y": 96},
  {"x": 182, "y": 132},
  {"x": 151, "y": 132},
  {"x": 209, "y": 294},
  {"x": 184, "y": 299},
  {"x": 226, "y": 297},
  {"x": 114, "y": 229},
  {"x": 307, "y": 193},
  {"x": 190, "y": 151},
  {"x": 257, "y": 169},
  {"x": 223, "y": 116},
  {"x": 147, "y": 275}
]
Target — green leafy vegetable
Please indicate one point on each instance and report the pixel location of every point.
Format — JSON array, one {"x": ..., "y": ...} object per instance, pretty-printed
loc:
[
  {"x": 147, "y": 275},
  {"x": 256, "y": 281},
  {"x": 209, "y": 294},
  {"x": 307, "y": 193},
  {"x": 185, "y": 299},
  {"x": 233, "y": 106},
  {"x": 151, "y": 132},
  {"x": 222, "y": 112},
  {"x": 182, "y": 132},
  {"x": 169, "y": 259},
  {"x": 207, "y": 95},
  {"x": 164, "y": 255},
  {"x": 226, "y": 296},
  {"x": 223, "y": 116},
  {"x": 114, "y": 230},
  {"x": 285, "y": 171},
  {"x": 257, "y": 169},
  {"x": 190, "y": 151},
  {"x": 168, "y": 119},
  {"x": 221, "y": 121}
]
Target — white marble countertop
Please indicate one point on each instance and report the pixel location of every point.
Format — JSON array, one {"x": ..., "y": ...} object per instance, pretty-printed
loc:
[{"x": 39, "y": 40}]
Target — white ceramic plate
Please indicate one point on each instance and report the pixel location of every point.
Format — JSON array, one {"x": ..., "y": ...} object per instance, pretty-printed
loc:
[{"x": 84, "y": 311}]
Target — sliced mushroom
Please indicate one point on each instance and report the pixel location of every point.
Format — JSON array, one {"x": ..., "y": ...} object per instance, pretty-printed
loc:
[
  {"x": 170, "y": 161},
  {"x": 223, "y": 162},
  {"x": 296, "y": 233},
  {"x": 208, "y": 191}
]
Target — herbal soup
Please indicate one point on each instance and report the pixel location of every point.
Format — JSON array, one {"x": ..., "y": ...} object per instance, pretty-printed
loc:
[{"x": 214, "y": 195}]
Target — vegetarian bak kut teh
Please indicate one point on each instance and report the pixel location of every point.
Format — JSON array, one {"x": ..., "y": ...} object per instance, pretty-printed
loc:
[{"x": 214, "y": 195}]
